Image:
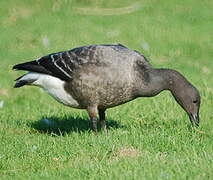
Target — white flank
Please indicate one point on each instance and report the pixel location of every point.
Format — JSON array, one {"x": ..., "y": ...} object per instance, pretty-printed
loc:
[{"x": 54, "y": 86}]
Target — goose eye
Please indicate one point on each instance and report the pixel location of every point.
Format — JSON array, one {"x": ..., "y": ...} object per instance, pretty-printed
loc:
[{"x": 195, "y": 101}]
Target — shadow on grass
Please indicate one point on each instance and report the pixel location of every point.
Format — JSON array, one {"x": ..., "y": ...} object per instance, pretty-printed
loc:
[{"x": 63, "y": 125}]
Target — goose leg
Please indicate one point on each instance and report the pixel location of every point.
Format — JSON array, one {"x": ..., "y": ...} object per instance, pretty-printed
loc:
[
  {"x": 102, "y": 119},
  {"x": 93, "y": 114}
]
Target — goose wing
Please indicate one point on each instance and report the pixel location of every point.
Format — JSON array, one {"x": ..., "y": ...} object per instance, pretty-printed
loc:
[{"x": 61, "y": 64}]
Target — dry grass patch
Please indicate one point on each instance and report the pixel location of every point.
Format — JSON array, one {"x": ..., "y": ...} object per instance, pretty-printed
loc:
[
  {"x": 108, "y": 11},
  {"x": 130, "y": 152},
  {"x": 4, "y": 92},
  {"x": 16, "y": 13}
]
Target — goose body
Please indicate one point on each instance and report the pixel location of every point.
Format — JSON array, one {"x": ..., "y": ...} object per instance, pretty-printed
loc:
[{"x": 98, "y": 77}]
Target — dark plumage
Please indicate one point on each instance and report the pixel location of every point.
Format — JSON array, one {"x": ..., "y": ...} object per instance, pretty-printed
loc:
[{"x": 102, "y": 76}]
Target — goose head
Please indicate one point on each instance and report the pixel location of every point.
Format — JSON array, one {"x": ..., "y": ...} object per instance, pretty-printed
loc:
[{"x": 189, "y": 99}]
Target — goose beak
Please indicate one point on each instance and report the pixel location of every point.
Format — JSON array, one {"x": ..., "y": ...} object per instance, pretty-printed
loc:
[{"x": 194, "y": 118}]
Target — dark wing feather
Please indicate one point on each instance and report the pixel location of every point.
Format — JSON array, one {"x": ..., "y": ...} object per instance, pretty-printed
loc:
[
  {"x": 52, "y": 64},
  {"x": 56, "y": 65},
  {"x": 31, "y": 66},
  {"x": 61, "y": 64}
]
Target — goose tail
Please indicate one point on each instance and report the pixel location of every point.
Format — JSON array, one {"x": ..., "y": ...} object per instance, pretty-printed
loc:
[
  {"x": 34, "y": 69},
  {"x": 32, "y": 66},
  {"x": 26, "y": 79}
]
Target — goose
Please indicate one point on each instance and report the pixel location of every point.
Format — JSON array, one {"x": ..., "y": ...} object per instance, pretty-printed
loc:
[{"x": 98, "y": 77}]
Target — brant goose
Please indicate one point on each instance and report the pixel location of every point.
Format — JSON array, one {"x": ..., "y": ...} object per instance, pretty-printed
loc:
[{"x": 98, "y": 77}]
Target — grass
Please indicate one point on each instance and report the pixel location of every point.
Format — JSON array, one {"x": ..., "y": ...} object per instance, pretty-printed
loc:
[{"x": 149, "y": 138}]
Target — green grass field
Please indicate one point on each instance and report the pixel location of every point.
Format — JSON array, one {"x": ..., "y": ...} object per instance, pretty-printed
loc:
[{"x": 149, "y": 138}]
